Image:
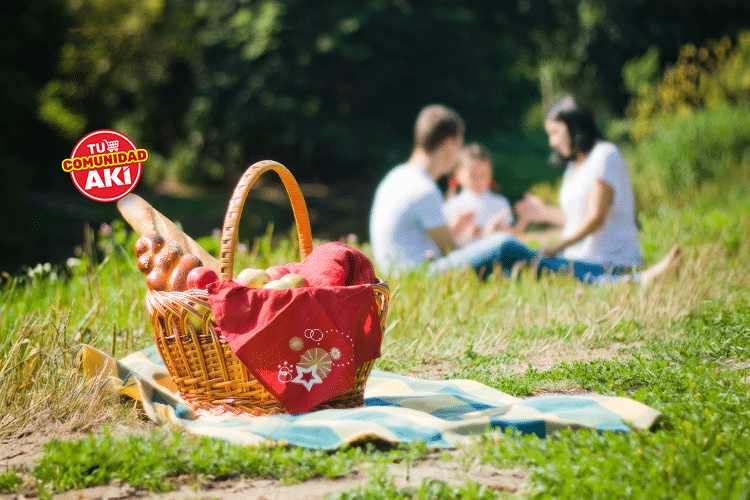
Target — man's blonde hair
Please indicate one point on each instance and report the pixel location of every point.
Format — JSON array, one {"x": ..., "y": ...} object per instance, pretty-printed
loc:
[{"x": 434, "y": 125}]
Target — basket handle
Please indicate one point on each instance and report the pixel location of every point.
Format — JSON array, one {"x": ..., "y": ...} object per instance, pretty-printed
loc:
[{"x": 234, "y": 210}]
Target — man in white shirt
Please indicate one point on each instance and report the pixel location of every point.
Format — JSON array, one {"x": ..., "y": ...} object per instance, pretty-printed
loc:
[{"x": 407, "y": 224}]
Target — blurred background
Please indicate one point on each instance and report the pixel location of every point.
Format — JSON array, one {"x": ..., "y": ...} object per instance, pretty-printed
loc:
[{"x": 331, "y": 89}]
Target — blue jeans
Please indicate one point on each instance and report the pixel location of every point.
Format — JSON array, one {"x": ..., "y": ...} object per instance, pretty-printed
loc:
[{"x": 503, "y": 250}]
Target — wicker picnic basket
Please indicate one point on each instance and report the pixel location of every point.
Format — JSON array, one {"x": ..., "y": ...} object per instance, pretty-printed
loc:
[{"x": 202, "y": 365}]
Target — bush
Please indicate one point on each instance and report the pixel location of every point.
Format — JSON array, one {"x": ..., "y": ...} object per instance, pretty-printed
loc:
[
  {"x": 689, "y": 124},
  {"x": 706, "y": 144},
  {"x": 702, "y": 78}
]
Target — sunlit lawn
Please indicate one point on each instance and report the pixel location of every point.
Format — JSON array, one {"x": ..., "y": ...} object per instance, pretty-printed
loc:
[{"x": 681, "y": 346}]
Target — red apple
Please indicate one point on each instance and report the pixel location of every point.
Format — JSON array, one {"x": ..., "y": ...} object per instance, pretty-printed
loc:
[{"x": 200, "y": 277}]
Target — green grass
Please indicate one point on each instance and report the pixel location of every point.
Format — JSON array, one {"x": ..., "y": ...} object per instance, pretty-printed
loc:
[
  {"x": 681, "y": 346},
  {"x": 160, "y": 459},
  {"x": 699, "y": 381},
  {"x": 154, "y": 461},
  {"x": 380, "y": 487}
]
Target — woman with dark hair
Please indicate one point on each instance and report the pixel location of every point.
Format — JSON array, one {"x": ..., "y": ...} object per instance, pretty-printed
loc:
[
  {"x": 581, "y": 126},
  {"x": 597, "y": 212}
]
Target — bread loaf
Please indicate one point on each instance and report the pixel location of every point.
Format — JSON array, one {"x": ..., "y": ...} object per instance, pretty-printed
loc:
[
  {"x": 146, "y": 220},
  {"x": 178, "y": 276},
  {"x": 151, "y": 244},
  {"x": 168, "y": 256},
  {"x": 157, "y": 280},
  {"x": 145, "y": 262},
  {"x": 164, "y": 263}
]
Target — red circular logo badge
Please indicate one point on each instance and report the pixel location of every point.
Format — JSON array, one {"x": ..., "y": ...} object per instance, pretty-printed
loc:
[{"x": 105, "y": 165}]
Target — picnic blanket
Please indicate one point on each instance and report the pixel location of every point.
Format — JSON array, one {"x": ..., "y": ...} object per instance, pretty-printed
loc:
[{"x": 397, "y": 409}]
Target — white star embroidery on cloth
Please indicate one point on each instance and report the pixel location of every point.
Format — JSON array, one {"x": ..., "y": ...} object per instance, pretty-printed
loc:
[{"x": 307, "y": 383}]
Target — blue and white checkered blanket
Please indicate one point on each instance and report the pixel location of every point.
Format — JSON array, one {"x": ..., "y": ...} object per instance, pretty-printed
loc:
[{"x": 397, "y": 409}]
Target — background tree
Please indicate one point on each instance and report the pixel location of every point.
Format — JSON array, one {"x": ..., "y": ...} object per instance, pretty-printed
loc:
[
  {"x": 32, "y": 34},
  {"x": 329, "y": 88}
]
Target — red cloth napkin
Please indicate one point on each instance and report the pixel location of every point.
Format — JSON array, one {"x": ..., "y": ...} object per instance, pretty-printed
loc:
[
  {"x": 303, "y": 344},
  {"x": 337, "y": 264}
]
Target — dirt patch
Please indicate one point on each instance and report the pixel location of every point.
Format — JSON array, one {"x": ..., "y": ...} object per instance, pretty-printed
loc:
[
  {"x": 24, "y": 449},
  {"x": 21, "y": 451},
  {"x": 545, "y": 360},
  {"x": 741, "y": 366},
  {"x": 446, "y": 466},
  {"x": 435, "y": 370},
  {"x": 539, "y": 360},
  {"x": 241, "y": 489},
  {"x": 458, "y": 473}
]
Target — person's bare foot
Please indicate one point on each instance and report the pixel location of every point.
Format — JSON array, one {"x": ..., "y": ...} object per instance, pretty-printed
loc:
[{"x": 670, "y": 262}]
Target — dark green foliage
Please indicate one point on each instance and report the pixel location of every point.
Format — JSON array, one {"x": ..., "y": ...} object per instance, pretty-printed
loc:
[
  {"x": 330, "y": 89},
  {"x": 670, "y": 159},
  {"x": 32, "y": 34}
]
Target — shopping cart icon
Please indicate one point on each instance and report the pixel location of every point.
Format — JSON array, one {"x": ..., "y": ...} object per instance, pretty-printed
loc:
[{"x": 113, "y": 146}]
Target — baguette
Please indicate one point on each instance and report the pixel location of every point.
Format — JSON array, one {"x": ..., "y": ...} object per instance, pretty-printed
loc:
[{"x": 146, "y": 220}]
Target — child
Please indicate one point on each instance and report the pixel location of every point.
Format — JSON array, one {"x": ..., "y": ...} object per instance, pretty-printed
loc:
[{"x": 492, "y": 212}]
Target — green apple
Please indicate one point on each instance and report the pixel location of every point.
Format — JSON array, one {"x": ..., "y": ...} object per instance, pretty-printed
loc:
[
  {"x": 278, "y": 284},
  {"x": 197, "y": 321},
  {"x": 296, "y": 280},
  {"x": 253, "y": 278}
]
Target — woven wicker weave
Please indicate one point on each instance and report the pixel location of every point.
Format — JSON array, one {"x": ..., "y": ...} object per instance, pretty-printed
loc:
[{"x": 208, "y": 374}]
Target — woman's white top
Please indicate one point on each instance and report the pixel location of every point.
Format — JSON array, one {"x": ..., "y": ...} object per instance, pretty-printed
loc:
[{"x": 616, "y": 242}]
